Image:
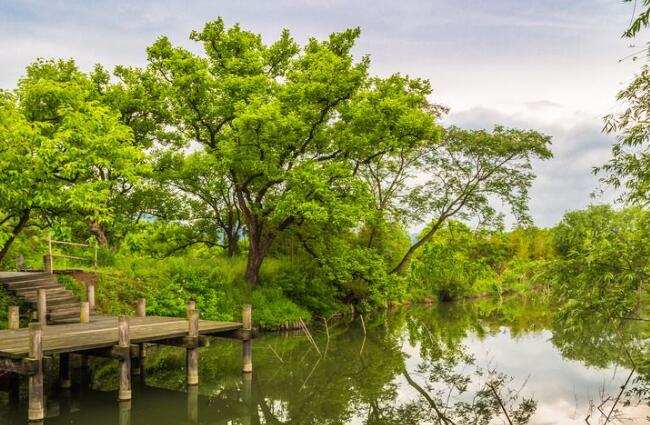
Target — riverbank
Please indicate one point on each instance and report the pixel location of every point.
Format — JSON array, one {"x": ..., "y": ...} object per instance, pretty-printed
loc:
[{"x": 218, "y": 286}]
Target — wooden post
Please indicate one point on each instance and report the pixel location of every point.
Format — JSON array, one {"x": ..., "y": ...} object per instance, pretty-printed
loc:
[
  {"x": 125, "y": 362},
  {"x": 247, "y": 352},
  {"x": 42, "y": 307},
  {"x": 141, "y": 311},
  {"x": 47, "y": 263},
  {"x": 13, "y": 318},
  {"x": 64, "y": 370},
  {"x": 36, "y": 410},
  {"x": 84, "y": 316},
  {"x": 192, "y": 354},
  {"x": 141, "y": 308},
  {"x": 50, "y": 257},
  {"x": 193, "y": 404},
  {"x": 125, "y": 412},
  {"x": 90, "y": 294},
  {"x": 20, "y": 263},
  {"x": 191, "y": 306}
]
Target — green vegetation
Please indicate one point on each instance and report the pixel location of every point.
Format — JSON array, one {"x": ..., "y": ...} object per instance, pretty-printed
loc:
[
  {"x": 288, "y": 176},
  {"x": 461, "y": 263},
  {"x": 272, "y": 173}
]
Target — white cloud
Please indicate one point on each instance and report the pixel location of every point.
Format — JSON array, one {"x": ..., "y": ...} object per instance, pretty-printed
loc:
[{"x": 565, "y": 182}]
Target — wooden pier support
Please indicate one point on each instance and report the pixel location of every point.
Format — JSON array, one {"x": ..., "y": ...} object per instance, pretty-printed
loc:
[
  {"x": 124, "y": 345},
  {"x": 41, "y": 307},
  {"x": 14, "y": 388},
  {"x": 36, "y": 409},
  {"x": 141, "y": 308},
  {"x": 47, "y": 264},
  {"x": 138, "y": 368},
  {"x": 13, "y": 317},
  {"x": 192, "y": 353},
  {"x": 193, "y": 404},
  {"x": 65, "y": 378},
  {"x": 90, "y": 294},
  {"x": 84, "y": 315},
  {"x": 247, "y": 352},
  {"x": 191, "y": 305},
  {"x": 125, "y": 412}
]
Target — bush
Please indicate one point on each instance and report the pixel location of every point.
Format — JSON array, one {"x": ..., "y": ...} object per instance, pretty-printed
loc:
[
  {"x": 217, "y": 285},
  {"x": 459, "y": 262}
]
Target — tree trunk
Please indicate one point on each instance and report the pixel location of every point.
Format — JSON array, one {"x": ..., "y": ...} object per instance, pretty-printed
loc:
[
  {"x": 259, "y": 244},
  {"x": 232, "y": 243},
  {"x": 22, "y": 222},
  {"x": 259, "y": 240},
  {"x": 98, "y": 230},
  {"x": 254, "y": 263},
  {"x": 427, "y": 237}
]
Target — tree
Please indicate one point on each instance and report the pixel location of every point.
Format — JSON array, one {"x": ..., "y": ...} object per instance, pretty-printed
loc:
[
  {"x": 286, "y": 124},
  {"x": 628, "y": 169},
  {"x": 212, "y": 212},
  {"x": 603, "y": 264},
  {"x": 19, "y": 182},
  {"x": 639, "y": 21},
  {"x": 466, "y": 172},
  {"x": 63, "y": 151}
]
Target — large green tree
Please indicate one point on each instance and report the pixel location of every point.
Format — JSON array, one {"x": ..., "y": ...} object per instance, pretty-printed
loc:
[
  {"x": 291, "y": 126},
  {"x": 63, "y": 151}
]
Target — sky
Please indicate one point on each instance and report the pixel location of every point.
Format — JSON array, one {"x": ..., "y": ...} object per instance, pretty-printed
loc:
[{"x": 550, "y": 65}]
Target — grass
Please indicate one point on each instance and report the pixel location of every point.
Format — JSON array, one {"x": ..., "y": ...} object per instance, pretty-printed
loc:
[{"x": 216, "y": 284}]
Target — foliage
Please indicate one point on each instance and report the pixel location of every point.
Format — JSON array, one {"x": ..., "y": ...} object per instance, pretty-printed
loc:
[
  {"x": 468, "y": 171},
  {"x": 628, "y": 167},
  {"x": 640, "y": 21},
  {"x": 218, "y": 287},
  {"x": 460, "y": 262},
  {"x": 63, "y": 152},
  {"x": 602, "y": 262},
  {"x": 600, "y": 282}
]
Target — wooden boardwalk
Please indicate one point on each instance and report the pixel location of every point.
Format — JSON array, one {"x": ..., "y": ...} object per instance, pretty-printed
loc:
[
  {"x": 24, "y": 351},
  {"x": 102, "y": 332}
]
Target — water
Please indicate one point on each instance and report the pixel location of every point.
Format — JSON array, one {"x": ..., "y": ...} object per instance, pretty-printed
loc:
[{"x": 413, "y": 366}]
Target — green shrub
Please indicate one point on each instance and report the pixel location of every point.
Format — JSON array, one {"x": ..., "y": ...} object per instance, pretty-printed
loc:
[{"x": 216, "y": 284}]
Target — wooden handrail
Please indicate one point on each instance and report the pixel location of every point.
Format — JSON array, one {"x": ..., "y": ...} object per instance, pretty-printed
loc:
[
  {"x": 71, "y": 243},
  {"x": 52, "y": 254}
]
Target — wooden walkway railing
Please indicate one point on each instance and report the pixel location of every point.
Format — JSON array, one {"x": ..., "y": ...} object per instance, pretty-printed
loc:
[{"x": 49, "y": 258}]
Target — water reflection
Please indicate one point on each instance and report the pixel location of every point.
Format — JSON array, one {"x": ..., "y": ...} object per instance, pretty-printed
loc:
[{"x": 476, "y": 363}]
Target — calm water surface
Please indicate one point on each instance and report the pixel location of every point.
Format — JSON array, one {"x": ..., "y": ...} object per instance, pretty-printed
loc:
[{"x": 409, "y": 367}]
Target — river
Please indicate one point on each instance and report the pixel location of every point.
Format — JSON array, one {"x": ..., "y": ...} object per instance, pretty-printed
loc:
[{"x": 480, "y": 363}]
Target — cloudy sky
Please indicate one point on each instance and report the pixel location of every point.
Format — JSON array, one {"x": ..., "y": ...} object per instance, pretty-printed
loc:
[{"x": 550, "y": 65}]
